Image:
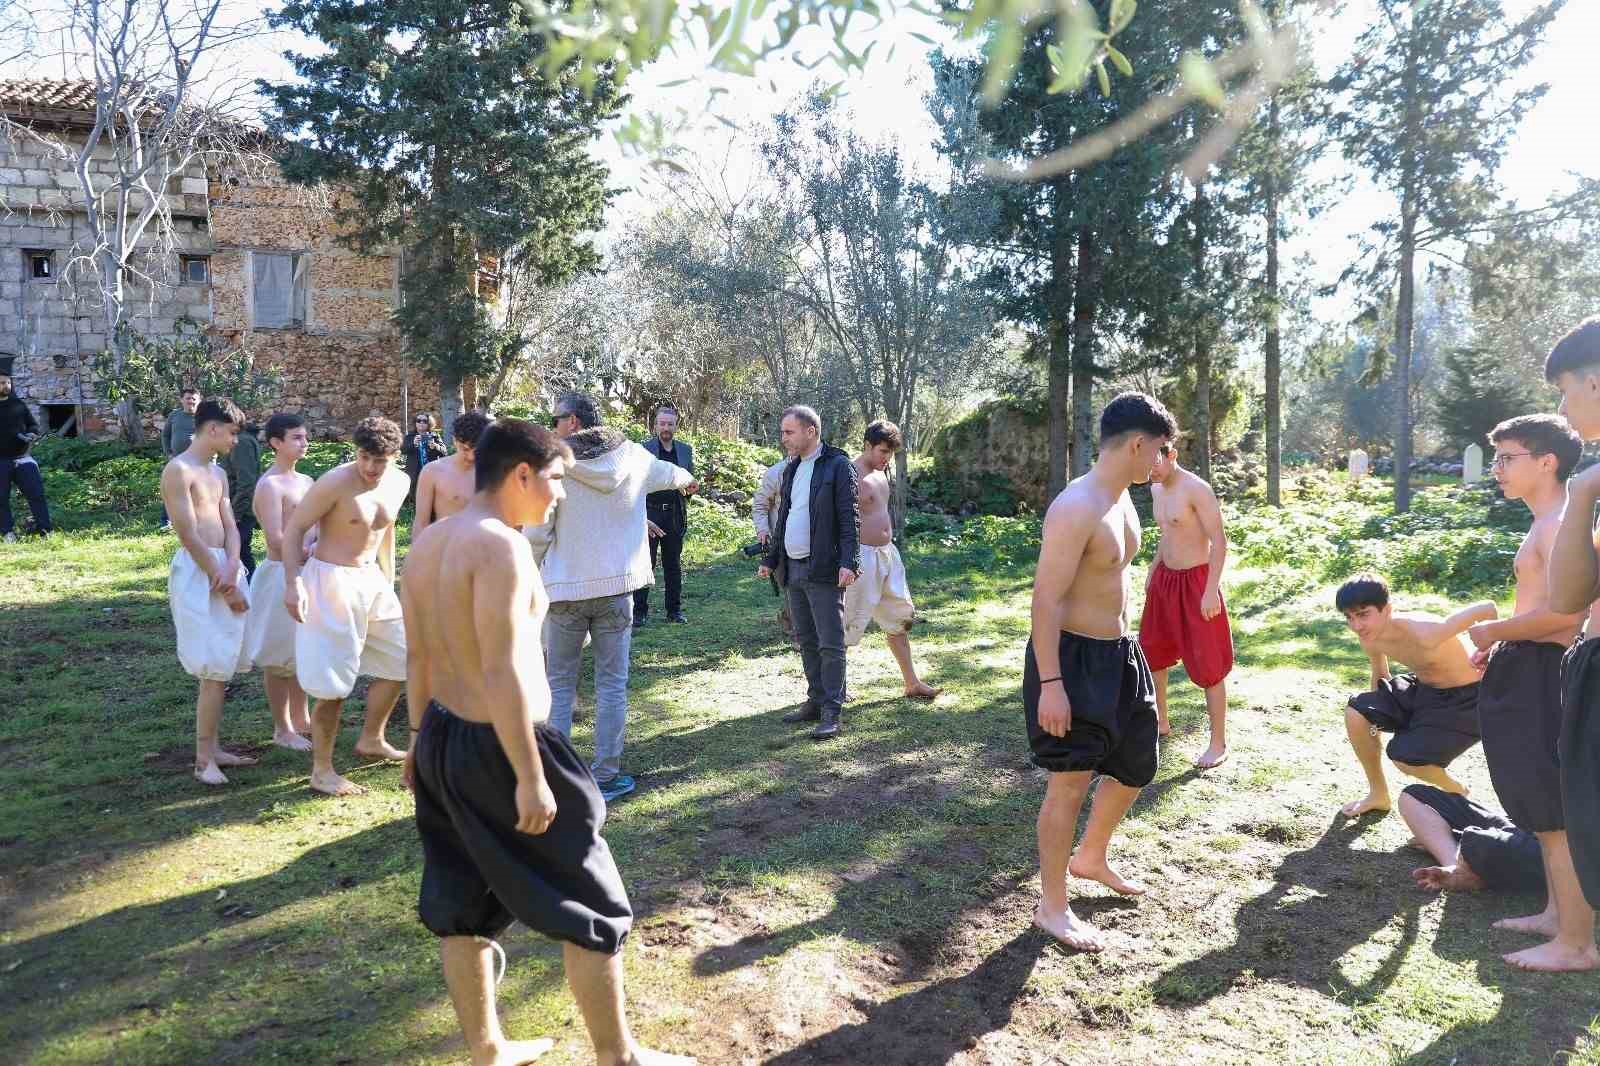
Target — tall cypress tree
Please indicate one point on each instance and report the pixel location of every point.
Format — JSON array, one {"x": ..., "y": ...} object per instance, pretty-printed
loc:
[
  {"x": 453, "y": 143},
  {"x": 1429, "y": 104}
]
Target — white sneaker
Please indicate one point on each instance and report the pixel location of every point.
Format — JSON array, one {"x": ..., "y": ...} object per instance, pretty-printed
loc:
[{"x": 11, "y": 538}]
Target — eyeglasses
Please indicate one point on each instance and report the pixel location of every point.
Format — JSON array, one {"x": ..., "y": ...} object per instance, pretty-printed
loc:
[
  {"x": 555, "y": 420},
  {"x": 422, "y": 421},
  {"x": 1166, "y": 451},
  {"x": 1503, "y": 461}
]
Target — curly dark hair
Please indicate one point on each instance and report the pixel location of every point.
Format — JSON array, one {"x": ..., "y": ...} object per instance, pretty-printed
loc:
[
  {"x": 884, "y": 431},
  {"x": 468, "y": 427},
  {"x": 377, "y": 435}
]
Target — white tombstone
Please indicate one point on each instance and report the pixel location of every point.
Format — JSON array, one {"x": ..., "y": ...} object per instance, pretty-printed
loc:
[
  {"x": 1359, "y": 463},
  {"x": 1472, "y": 464}
]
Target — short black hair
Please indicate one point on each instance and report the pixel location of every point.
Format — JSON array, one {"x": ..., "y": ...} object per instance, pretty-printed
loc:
[
  {"x": 1578, "y": 350},
  {"x": 581, "y": 406},
  {"x": 469, "y": 426},
  {"x": 217, "y": 409},
  {"x": 279, "y": 425},
  {"x": 376, "y": 435},
  {"x": 884, "y": 431},
  {"x": 1136, "y": 412},
  {"x": 186, "y": 390},
  {"x": 1543, "y": 435},
  {"x": 1363, "y": 590},
  {"x": 509, "y": 442}
]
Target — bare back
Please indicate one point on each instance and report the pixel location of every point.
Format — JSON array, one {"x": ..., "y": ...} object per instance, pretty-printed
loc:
[
  {"x": 1178, "y": 509},
  {"x": 1410, "y": 638},
  {"x": 452, "y": 572},
  {"x": 872, "y": 499},
  {"x": 353, "y": 528},
  {"x": 1103, "y": 529},
  {"x": 275, "y": 499},
  {"x": 196, "y": 492}
]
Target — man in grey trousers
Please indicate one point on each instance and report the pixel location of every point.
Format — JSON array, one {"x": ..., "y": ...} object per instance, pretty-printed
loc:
[
  {"x": 815, "y": 549},
  {"x": 592, "y": 557}
]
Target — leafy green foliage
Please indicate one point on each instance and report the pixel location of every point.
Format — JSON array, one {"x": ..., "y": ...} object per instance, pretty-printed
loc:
[
  {"x": 155, "y": 369},
  {"x": 79, "y": 453}
]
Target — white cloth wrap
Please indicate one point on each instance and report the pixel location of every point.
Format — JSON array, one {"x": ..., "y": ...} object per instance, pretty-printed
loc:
[
  {"x": 210, "y": 634},
  {"x": 268, "y": 629},
  {"x": 353, "y": 627},
  {"x": 880, "y": 594}
]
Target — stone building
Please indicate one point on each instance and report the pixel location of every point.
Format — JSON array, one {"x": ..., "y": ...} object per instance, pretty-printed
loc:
[{"x": 251, "y": 259}]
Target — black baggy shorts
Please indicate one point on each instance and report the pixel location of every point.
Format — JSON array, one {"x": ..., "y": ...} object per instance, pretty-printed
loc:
[
  {"x": 1431, "y": 726},
  {"x": 1113, "y": 701},
  {"x": 1519, "y": 714},
  {"x": 1506, "y": 857},
  {"x": 1580, "y": 762},
  {"x": 479, "y": 873}
]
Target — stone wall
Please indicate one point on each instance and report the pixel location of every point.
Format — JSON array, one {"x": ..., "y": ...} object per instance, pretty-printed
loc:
[
  {"x": 340, "y": 366},
  {"x": 1002, "y": 440}
]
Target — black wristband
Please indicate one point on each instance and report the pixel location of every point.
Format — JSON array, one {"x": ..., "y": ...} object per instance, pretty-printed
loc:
[{"x": 1047, "y": 680}]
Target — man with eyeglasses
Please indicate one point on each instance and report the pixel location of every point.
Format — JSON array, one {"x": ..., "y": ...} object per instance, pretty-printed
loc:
[
  {"x": 1519, "y": 699},
  {"x": 1184, "y": 617}
]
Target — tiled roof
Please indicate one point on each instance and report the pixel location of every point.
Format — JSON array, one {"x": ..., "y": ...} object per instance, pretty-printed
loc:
[{"x": 45, "y": 94}]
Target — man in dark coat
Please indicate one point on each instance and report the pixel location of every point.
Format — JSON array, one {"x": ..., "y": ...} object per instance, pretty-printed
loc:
[
  {"x": 815, "y": 550},
  {"x": 18, "y": 430},
  {"x": 667, "y": 518}
]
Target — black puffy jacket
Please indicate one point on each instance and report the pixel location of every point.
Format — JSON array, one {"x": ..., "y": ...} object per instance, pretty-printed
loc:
[{"x": 835, "y": 521}]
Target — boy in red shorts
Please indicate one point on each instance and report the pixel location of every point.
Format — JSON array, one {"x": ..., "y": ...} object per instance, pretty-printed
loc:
[{"x": 1184, "y": 617}]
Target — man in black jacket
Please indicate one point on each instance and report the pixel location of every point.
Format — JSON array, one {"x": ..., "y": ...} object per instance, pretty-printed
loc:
[
  {"x": 18, "y": 430},
  {"x": 815, "y": 550},
  {"x": 667, "y": 519}
]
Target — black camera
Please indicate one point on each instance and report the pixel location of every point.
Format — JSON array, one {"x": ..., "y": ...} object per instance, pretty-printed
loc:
[{"x": 753, "y": 550}]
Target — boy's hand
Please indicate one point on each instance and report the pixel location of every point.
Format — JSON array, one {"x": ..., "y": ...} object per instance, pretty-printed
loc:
[
  {"x": 1480, "y": 659},
  {"x": 1480, "y": 637}
]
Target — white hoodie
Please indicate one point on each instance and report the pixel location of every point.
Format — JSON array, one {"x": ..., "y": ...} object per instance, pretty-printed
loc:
[{"x": 595, "y": 544}]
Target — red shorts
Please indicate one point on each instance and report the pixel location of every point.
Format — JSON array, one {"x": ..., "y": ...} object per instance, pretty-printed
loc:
[{"x": 1172, "y": 629}]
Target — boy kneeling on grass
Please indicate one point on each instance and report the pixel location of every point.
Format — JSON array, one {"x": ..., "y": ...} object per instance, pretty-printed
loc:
[{"x": 1432, "y": 710}]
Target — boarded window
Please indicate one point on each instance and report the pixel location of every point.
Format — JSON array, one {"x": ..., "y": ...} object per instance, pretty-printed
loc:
[{"x": 280, "y": 290}]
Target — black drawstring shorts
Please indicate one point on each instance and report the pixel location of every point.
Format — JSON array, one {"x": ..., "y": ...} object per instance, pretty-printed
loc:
[{"x": 1113, "y": 702}]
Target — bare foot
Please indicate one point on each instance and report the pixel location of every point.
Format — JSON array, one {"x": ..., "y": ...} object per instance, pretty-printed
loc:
[
  {"x": 1373, "y": 802},
  {"x": 228, "y": 758},
  {"x": 1446, "y": 879},
  {"x": 209, "y": 775},
  {"x": 300, "y": 725},
  {"x": 1069, "y": 929},
  {"x": 1543, "y": 924},
  {"x": 1212, "y": 757},
  {"x": 380, "y": 749},
  {"x": 1555, "y": 957},
  {"x": 922, "y": 691},
  {"x": 292, "y": 741},
  {"x": 1100, "y": 870},
  {"x": 1163, "y": 727},
  {"x": 332, "y": 784},
  {"x": 514, "y": 1052}
]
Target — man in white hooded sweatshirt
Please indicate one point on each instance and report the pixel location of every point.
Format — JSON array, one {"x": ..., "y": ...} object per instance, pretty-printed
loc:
[{"x": 592, "y": 555}]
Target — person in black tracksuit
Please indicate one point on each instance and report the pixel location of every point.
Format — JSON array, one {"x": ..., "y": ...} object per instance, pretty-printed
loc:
[
  {"x": 668, "y": 515},
  {"x": 815, "y": 550},
  {"x": 18, "y": 430}
]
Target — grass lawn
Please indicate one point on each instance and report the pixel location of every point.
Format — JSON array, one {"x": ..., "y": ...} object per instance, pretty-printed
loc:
[{"x": 864, "y": 902}]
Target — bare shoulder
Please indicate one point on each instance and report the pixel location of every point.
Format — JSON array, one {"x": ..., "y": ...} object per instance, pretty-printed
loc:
[
  {"x": 1197, "y": 488},
  {"x": 1075, "y": 505},
  {"x": 428, "y": 475}
]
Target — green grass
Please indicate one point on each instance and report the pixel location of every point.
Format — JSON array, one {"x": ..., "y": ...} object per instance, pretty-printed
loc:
[{"x": 865, "y": 901}]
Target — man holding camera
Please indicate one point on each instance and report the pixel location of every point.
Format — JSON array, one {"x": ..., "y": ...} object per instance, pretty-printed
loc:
[{"x": 18, "y": 430}]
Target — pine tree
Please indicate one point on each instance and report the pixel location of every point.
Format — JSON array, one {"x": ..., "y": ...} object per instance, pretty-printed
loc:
[{"x": 436, "y": 122}]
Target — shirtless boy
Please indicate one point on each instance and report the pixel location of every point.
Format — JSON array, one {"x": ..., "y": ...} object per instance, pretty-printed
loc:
[
  {"x": 1519, "y": 699},
  {"x": 205, "y": 584},
  {"x": 508, "y": 813},
  {"x": 1087, "y": 693},
  {"x": 269, "y": 631},
  {"x": 881, "y": 593},
  {"x": 446, "y": 485},
  {"x": 343, "y": 597},
  {"x": 1432, "y": 711},
  {"x": 1184, "y": 616}
]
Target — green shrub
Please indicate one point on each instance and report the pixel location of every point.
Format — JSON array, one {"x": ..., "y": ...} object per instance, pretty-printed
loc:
[
  {"x": 323, "y": 456},
  {"x": 989, "y": 493},
  {"x": 715, "y": 531},
  {"x": 77, "y": 454},
  {"x": 127, "y": 485}
]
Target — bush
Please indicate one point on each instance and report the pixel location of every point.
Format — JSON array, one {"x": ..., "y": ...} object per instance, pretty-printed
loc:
[
  {"x": 127, "y": 485},
  {"x": 715, "y": 530},
  {"x": 77, "y": 454},
  {"x": 987, "y": 493},
  {"x": 323, "y": 456}
]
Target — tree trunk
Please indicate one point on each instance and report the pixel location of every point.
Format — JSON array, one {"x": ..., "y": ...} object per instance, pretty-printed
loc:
[
  {"x": 1202, "y": 345},
  {"x": 1273, "y": 352},
  {"x": 1059, "y": 359},
  {"x": 897, "y": 497},
  {"x": 1409, "y": 179},
  {"x": 449, "y": 401},
  {"x": 1085, "y": 309}
]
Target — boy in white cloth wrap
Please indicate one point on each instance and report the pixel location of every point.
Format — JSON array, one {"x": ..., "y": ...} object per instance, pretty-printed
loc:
[
  {"x": 268, "y": 630},
  {"x": 205, "y": 585},
  {"x": 881, "y": 594},
  {"x": 343, "y": 597}
]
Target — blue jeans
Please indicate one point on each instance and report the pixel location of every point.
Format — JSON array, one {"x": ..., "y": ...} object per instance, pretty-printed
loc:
[
  {"x": 26, "y": 476},
  {"x": 608, "y": 622}
]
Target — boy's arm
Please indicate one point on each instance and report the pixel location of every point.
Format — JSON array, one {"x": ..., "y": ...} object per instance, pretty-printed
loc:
[
  {"x": 317, "y": 502},
  {"x": 1574, "y": 573},
  {"x": 1432, "y": 634},
  {"x": 267, "y": 505},
  {"x": 1534, "y": 625},
  {"x": 510, "y": 663},
  {"x": 424, "y": 517},
  {"x": 1066, "y": 533},
  {"x": 230, "y": 528},
  {"x": 1209, "y": 512},
  {"x": 180, "y": 511},
  {"x": 419, "y": 677},
  {"x": 386, "y": 552},
  {"x": 1380, "y": 667}
]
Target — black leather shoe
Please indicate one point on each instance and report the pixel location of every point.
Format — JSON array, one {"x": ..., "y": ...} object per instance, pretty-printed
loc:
[
  {"x": 639, "y": 620},
  {"x": 806, "y": 712},
  {"x": 828, "y": 727},
  {"x": 677, "y": 616}
]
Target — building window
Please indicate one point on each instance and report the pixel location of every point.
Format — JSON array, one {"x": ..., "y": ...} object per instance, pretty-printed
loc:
[
  {"x": 41, "y": 264},
  {"x": 196, "y": 269},
  {"x": 280, "y": 289}
]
